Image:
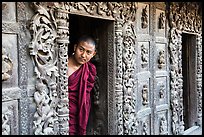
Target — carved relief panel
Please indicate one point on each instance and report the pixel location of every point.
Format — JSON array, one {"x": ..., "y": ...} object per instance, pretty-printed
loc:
[
  {"x": 161, "y": 58},
  {"x": 160, "y": 21},
  {"x": 9, "y": 61},
  {"x": 144, "y": 54},
  {"x": 10, "y": 125},
  {"x": 143, "y": 18}
]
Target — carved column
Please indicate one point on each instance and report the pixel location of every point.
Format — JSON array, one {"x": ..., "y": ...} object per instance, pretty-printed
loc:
[
  {"x": 199, "y": 78},
  {"x": 128, "y": 58},
  {"x": 62, "y": 18},
  {"x": 119, "y": 74}
]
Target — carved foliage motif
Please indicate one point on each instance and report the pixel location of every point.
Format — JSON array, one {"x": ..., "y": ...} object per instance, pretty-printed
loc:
[
  {"x": 182, "y": 17},
  {"x": 7, "y": 65},
  {"x": 117, "y": 10},
  {"x": 43, "y": 52},
  {"x": 128, "y": 57}
]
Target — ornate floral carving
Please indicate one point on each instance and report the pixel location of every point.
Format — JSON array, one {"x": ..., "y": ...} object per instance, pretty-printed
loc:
[
  {"x": 128, "y": 57},
  {"x": 184, "y": 16},
  {"x": 7, "y": 65},
  {"x": 43, "y": 51}
]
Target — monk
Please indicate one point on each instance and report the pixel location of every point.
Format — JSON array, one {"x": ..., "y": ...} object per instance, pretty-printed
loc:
[{"x": 81, "y": 73}]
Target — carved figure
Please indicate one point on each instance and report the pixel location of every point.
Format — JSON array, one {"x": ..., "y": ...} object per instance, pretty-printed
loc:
[
  {"x": 6, "y": 65},
  {"x": 144, "y": 55},
  {"x": 163, "y": 126},
  {"x": 161, "y": 59},
  {"x": 161, "y": 20},
  {"x": 144, "y": 18},
  {"x": 145, "y": 95}
]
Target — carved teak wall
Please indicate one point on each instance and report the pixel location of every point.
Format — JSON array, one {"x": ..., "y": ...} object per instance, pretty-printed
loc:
[{"x": 144, "y": 94}]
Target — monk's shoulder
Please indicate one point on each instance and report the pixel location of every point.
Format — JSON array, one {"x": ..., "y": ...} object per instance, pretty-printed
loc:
[{"x": 92, "y": 68}]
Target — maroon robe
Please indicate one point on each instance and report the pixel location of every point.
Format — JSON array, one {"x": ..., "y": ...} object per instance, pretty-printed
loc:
[{"x": 80, "y": 85}]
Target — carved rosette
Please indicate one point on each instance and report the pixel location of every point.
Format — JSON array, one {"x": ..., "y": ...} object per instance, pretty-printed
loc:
[
  {"x": 182, "y": 17},
  {"x": 43, "y": 52}
]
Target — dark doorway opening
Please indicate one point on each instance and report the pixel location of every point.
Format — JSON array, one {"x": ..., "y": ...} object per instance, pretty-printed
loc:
[
  {"x": 189, "y": 79},
  {"x": 102, "y": 31}
]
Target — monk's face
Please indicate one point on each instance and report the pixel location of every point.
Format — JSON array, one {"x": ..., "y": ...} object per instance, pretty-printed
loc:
[{"x": 84, "y": 51}]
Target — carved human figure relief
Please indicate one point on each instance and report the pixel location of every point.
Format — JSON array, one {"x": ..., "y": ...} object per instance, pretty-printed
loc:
[
  {"x": 163, "y": 126},
  {"x": 144, "y": 56},
  {"x": 161, "y": 59},
  {"x": 161, "y": 91},
  {"x": 161, "y": 20},
  {"x": 144, "y": 18},
  {"x": 7, "y": 65},
  {"x": 144, "y": 128},
  {"x": 6, "y": 128},
  {"x": 145, "y": 95}
]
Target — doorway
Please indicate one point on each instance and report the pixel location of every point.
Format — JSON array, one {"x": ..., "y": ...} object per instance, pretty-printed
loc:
[
  {"x": 189, "y": 79},
  {"x": 102, "y": 31}
]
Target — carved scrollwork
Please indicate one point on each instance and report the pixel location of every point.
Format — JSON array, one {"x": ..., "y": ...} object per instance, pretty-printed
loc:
[
  {"x": 43, "y": 51},
  {"x": 116, "y": 10},
  {"x": 128, "y": 77},
  {"x": 7, "y": 65},
  {"x": 184, "y": 16}
]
